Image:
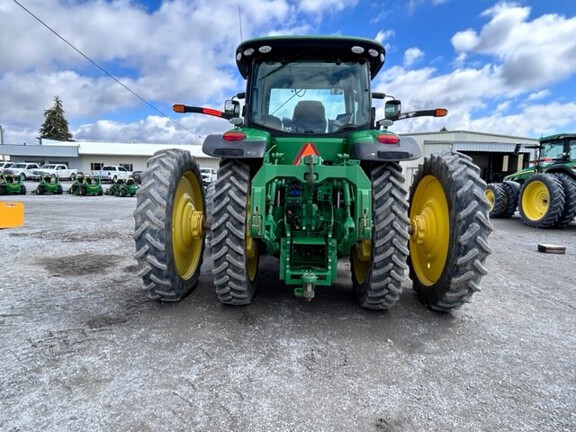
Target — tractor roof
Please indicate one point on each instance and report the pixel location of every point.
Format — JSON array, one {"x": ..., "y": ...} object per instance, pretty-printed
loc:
[
  {"x": 290, "y": 48},
  {"x": 558, "y": 137}
]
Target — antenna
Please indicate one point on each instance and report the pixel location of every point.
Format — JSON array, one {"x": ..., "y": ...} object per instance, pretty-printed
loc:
[{"x": 240, "y": 23}]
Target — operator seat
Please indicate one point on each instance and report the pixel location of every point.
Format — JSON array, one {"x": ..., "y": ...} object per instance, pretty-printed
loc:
[{"x": 310, "y": 116}]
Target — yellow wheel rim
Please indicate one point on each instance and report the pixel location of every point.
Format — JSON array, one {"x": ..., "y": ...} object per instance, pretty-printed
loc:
[
  {"x": 187, "y": 220},
  {"x": 361, "y": 260},
  {"x": 535, "y": 200},
  {"x": 490, "y": 197},
  {"x": 251, "y": 248},
  {"x": 430, "y": 238}
]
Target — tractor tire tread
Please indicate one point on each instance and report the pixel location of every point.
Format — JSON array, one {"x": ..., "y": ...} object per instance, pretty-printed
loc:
[
  {"x": 153, "y": 224},
  {"x": 569, "y": 213},
  {"x": 469, "y": 217},
  {"x": 556, "y": 201},
  {"x": 511, "y": 194},
  {"x": 388, "y": 269},
  {"x": 228, "y": 227},
  {"x": 499, "y": 200}
]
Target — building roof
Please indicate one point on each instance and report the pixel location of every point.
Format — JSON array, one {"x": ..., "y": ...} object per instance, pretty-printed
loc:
[
  {"x": 39, "y": 150},
  {"x": 121, "y": 149},
  {"x": 464, "y": 135}
]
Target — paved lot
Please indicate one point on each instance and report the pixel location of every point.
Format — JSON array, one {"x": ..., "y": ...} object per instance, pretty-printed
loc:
[{"x": 82, "y": 348}]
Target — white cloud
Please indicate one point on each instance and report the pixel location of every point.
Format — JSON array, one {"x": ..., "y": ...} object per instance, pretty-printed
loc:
[
  {"x": 539, "y": 95},
  {"x": 412, "y": 55},
  {"x": 465, "y": 41},
  {"x": 384, "y": 36},
  {"x": 324, "y": 6},
  {"x": 530, "y": 54}
]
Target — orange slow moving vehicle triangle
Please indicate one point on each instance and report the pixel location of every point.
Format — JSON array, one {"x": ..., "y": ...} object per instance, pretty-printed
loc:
[{"x": 306, "y": 150}]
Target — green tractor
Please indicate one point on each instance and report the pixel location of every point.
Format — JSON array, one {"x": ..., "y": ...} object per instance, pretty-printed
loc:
[
  {"x": 86, "y": 186},
  {"x": 309, "y": 176},
  {"x": 115, "y": 187},
  {"x": 73, "y": 189},
  {"x": 123, "y": 188},
  {"x": 12, "y": 185},
  {"x": 545, "y": 192},
  {"x": 49, "y": 184}
]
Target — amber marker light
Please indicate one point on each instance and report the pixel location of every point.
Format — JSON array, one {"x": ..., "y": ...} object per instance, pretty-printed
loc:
[
  {"x": 441, "y": 112},
  {"x": 179, "y": 108}
]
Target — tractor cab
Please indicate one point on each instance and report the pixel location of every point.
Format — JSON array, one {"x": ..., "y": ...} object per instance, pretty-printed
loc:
[
  {"x": 560, "y": 147},
  {"x": 295, "y": 87}
]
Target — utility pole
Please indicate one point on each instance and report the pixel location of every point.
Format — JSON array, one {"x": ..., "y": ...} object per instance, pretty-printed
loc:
[{"x": 1, "y": 135}]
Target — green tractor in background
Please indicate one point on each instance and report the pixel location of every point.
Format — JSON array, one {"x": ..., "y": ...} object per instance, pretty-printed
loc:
[
  {"x": 49, "y": 184},
  {"x": 12, "y": 185},
  {"x": 73, "y": 189},
  {"x": 309, "y": 176},
  {"x": 544, "y": 193},
  {"x": 123, "y": 188},
  {"x": 86, "y": 186}
]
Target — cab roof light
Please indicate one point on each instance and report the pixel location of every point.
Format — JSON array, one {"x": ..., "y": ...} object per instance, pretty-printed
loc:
[{"x": 373, "y": 52}]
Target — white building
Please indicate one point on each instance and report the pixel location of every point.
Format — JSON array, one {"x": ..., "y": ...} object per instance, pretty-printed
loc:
[
  {"x": 496, "y": 155},
  {"x": 86, "y": 156}
]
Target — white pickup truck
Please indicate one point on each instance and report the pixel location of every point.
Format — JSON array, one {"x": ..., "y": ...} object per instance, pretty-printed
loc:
[
  {"x": 209, "y": 175},
  {"x": 59, "y": 170},
  {"x": 111, "y": 173},
  {"x": 21, "y": 169}
]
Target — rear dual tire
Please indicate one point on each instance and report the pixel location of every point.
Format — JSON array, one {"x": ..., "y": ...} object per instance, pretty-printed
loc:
[
  {"x": 378, "y": 267},
  {"x": 542, "y": 200},
  {"x": 168, "y": 225},
  {"x": 235, "y": 253},
  {"x": 449, "y": 214}
]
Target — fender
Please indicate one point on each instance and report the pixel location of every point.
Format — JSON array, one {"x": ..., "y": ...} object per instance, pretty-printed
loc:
[
  {"x": 406, "y": 149},
  {"x": 252, "y": 148}
]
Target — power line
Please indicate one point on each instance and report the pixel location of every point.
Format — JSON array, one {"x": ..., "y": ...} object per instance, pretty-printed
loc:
[{"x": 104, "y": 70}]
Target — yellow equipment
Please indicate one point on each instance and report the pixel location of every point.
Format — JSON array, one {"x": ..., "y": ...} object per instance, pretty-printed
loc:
[{"x": 11, "y": 214}]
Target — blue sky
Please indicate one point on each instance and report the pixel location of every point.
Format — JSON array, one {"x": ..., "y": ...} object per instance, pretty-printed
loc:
[{"x": 504, "y": 67}]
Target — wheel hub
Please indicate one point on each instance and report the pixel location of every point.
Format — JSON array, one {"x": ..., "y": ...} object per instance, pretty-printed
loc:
[
  {"x": 491, "y": 198},
  {"x": 190, "y": 226},
  {"x": 425, "y": 230},
  {"x": 187, "y": 225},
  {"x": 536, "y": 200},
  {"x": 429, "y": 230}
]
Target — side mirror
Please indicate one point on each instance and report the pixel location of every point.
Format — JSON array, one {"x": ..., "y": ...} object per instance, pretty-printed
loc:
[
  {"x": 232, "y": 107},
  {"x": 392, "y": 109}
]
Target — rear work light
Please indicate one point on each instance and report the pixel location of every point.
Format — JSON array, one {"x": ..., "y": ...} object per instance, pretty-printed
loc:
[
  {"x": 388, "y": 139},
  {"x": 234, "y": 136}
]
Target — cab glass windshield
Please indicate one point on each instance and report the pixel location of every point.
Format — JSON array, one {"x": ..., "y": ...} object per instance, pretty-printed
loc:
[
  {"x": 555, "y": 149},
  {"x": 310, "y": 97}
]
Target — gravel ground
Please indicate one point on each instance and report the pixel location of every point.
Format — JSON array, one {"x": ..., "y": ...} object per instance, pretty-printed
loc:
[{"x": 83, "y": 349}]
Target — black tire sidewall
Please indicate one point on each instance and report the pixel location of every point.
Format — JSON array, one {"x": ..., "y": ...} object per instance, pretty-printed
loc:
[{"x": 469, "y": 227}]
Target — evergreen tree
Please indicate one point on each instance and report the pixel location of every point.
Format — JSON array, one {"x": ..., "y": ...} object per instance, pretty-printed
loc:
[{"x": 55, "y": 125}]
